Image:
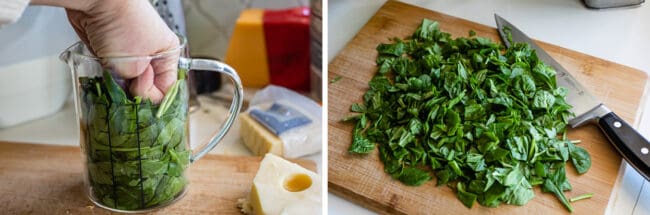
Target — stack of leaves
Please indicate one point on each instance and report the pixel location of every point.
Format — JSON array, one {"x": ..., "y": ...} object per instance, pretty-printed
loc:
[
  {"x": 487, "y": 121},
  {"x": 136, "y": 151}
]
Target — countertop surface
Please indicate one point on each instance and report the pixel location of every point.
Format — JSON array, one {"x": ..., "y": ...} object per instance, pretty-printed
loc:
[{"x": 618, "y": 35}]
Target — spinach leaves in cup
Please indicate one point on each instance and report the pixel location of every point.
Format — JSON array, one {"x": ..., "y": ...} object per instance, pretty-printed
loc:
[{"x": 136, "y": 151}]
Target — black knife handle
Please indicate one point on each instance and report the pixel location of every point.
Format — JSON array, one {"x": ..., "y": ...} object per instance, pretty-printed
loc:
[{"x": 630, "y": 144}]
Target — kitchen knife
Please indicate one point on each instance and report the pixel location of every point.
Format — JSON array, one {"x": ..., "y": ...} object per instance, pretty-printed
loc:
[{"x": 634, "y": 148}]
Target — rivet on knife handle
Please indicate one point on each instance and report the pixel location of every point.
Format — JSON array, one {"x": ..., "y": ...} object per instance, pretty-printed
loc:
[{"x": 629, "y": 143}]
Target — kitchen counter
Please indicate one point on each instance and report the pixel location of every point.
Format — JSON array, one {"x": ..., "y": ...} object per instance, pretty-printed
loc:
[{"x": 617, "y": 35}]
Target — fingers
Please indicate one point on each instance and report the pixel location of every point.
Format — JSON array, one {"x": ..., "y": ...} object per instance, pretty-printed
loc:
[
  {"x": 154, "y": 79},
  {"x": 166, "y": 71},
  {"x": 144, "y": 86},
  {"x": 128, "y": 68}
]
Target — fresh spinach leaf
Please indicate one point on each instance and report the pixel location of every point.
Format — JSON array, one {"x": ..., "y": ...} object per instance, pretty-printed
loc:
[
  {"x": 414, "y": 176},
  {"x": 580, "y": 158},
  {"x": 467, "y": 198},
  {"x": 336, "y": 79}
]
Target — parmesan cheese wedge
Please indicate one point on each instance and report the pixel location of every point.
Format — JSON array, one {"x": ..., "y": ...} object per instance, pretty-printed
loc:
[{"x": 284, "y": 188}]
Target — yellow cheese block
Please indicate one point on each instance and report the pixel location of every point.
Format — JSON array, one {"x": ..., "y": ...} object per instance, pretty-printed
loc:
[
  {"x": 257, "y": 138},
  {"x": 282, "y": 187},
  {"x": 247, "y": 49}
]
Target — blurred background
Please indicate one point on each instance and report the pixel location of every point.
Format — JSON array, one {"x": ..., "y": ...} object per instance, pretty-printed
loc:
[{"x": 210, "y": 23}]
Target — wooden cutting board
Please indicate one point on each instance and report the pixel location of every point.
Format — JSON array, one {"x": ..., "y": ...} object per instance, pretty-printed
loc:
[
  {"x": 46, "y": 179},
  {"x": 361, "y": 179}
]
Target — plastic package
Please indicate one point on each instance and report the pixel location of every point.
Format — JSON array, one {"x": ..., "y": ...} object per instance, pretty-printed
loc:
[{"x": 292, "y": 117}]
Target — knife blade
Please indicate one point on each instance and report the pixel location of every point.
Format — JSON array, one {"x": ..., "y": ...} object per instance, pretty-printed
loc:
[{"x": 631, "y": 145}]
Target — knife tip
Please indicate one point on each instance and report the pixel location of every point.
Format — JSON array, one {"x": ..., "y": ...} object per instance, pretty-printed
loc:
[{"x": 497, "y": 17}]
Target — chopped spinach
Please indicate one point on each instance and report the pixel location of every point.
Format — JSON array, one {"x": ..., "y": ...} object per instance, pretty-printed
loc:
[
  {"x": 136, "y": 151},
  {"x": 336, "y": 79},
  {"x": 487, "y": 120}
]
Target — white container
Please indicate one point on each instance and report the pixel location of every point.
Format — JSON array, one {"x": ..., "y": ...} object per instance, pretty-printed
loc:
[{"x": 33, "y": 81}]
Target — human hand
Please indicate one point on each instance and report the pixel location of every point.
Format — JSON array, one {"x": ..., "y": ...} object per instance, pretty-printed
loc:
[{"x": 119, "y": 28}]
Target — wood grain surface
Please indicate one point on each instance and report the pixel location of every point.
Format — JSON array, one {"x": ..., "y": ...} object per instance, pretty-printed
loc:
[
  {"x": 361, "y": 179},
  {"x": 46, "y": 179}
]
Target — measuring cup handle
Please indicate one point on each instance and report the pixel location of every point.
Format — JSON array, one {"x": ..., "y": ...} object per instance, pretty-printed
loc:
[{"x": 216, "y": 66}]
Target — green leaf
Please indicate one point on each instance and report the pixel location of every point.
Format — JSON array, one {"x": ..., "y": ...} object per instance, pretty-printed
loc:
[
  {"x": 169, "y": 98},
  {"x": 550, "y": 186},
  {"x": 428, "y": 30},
  {"x": 396, "y": 49},
  {"x": 519, "y": 194},
  {"x": 476, "y": 162},
  {"x": 462, "y": 73},
  {"x": 513, "y": 178},
  {"x": 405, "y": 138},
  {"x": 415, "y": 126},
  {"x": 492, "y": 196},
  {"x": 360, "y": 144},
  {"x": 580, "y": 158},
  {"x": 452, "y": 121},
  {"x": 465, "y": 197},
  {"x": 414, "y": 176},
  {"x": 336, "y": 79},
  {"x": 359, "y": 108},
  {"x": 474, "y": 112},
  {"x": 543, "y": 99},
  {"x": 114, "y": 90},
  {"x": 487, "y": 142},
  {"x": 445, "y": 176},
  {"x": 472, "y": 33}
]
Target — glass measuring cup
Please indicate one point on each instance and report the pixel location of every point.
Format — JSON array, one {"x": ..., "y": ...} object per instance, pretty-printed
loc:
[{"x": 136, "y": 149}]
